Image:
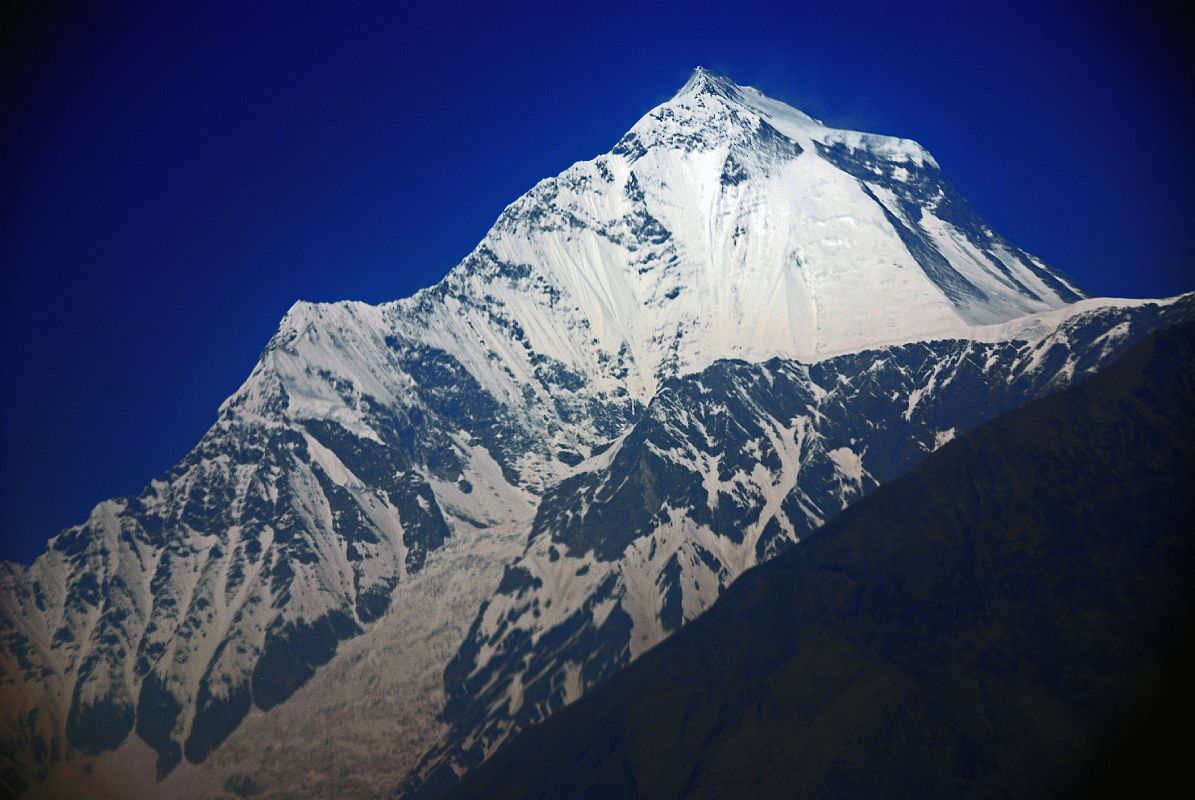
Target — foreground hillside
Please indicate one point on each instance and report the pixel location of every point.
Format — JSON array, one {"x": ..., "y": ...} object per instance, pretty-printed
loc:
[{"x": 997, "y": 623}]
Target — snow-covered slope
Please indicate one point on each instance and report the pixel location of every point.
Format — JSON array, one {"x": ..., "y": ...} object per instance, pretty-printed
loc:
[
  {"x": 375, "y": 446},
  {"x": 725, "y": 224}
]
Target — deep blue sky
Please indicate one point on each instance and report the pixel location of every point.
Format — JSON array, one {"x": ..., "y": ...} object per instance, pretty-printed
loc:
[{"x": 175, "y": 177}]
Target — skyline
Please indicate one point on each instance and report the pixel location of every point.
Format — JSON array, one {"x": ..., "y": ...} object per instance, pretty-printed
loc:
[{"x": 173, "y": 203}]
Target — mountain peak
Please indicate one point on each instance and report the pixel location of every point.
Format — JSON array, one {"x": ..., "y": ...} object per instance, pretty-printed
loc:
[
  {"x": 703, "y": 81},
  {"x": 707, "y": 93},
  {"x": 709, "y": 110}
]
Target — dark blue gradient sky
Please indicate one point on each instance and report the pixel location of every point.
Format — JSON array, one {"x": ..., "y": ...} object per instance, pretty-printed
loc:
[{"x": 175, "y": 175}]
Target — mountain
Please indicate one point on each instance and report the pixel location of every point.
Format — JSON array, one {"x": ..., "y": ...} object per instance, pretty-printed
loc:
[
  {"x": 321, "y": 556},
  {"x": 993, "y": 624}
]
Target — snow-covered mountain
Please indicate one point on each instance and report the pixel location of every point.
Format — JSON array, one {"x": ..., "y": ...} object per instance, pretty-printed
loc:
[{"x": 546, "y": 436}]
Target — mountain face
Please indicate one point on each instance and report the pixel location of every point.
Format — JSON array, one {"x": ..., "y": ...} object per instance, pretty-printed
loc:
[
  {"x": 988, "y": 625},
  {"x": 657, "y": 369},
  {"x": 726, "y": 468}
]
